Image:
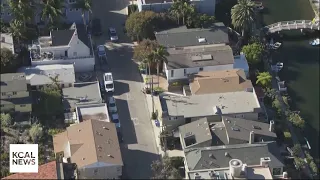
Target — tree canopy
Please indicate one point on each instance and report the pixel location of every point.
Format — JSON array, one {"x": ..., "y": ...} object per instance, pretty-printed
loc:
[
  {"x": 296, "y": 120},
  {"x": 164, "y": 169},
  {"x": 6, "y": 120},
  {"x": 243, "y": 15},
  {"x": 144, "y": 49},
  {"x": 36, "y": 132},
  {"x": 253, "y": 52},
  {"x": 264, "y": 78},
  {"x": 8, "y": 61},
  {"x": 141, "y": 25}
]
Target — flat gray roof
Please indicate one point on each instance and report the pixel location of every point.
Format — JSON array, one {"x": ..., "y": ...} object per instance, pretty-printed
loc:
[
  {"x": 199, "y": 129},
  {"x": 13, "y": 82},
  {"x": 40, "y": 75},
  {"x": 182, "y": 36},
  {"x": 219, "y": 156},
  {"x": 81, "y": 93},
  {"x": 93, "y": 112},
  {"x": 210, "y": 104},
  {"x": 199, "y": 56},
  {"x": 240, "y": 128}
]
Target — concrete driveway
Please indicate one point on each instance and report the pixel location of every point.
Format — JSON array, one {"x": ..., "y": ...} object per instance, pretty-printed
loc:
[{"x": 139, "y": 148}]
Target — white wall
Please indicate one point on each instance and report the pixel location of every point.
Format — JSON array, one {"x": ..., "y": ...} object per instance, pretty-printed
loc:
[
  {"x": 179, "y": 73},
  {"x": 80, "y": 64},
  {"x": 78, "y": 47}
]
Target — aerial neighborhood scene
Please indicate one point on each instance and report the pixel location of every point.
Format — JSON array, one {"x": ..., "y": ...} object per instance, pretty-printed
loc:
[{"x": 161, "y": 89}]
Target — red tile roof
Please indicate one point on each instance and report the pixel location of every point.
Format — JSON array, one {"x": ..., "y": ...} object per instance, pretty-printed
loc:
[{"x": 45, "y": 171}]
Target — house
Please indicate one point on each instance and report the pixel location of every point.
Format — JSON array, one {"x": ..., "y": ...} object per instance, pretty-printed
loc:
[
  {"x": 179, "y": 110},
  {"x": 93, "y": 146},
  {"x": 70, "y": 46},
  {"x": 92, "y": 112},
  {"x": 202, "y": 6},
  {"x": 203, "y": 133},
  {"x": 223, "y": 81},
  {"x": 176, "y": 37},
  {"x": 50, "y": 170},
  {"x": 70, "y": 14},
  {"x": 42, "y": 75},
  {"x": 182, "y": 62},
  {"x": 79, "y": 94},
  {"x": 7, "y": 41},
  {"x": 242, "y": 161},
  {"x": 14, "y": 93}
]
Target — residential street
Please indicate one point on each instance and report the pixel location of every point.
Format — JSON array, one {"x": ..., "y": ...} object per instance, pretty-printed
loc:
[{"x": 138, "y": 148}]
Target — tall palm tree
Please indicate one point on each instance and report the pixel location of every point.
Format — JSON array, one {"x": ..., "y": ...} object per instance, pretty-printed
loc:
[
  {"x": 85, "y": 6},
  {"x": 243, "y": 15},
  {"x": 22, "y": 10},
  {"x": 175, "y": 11},
  {"x": 52, "y": 11},
  {"x": 55, "y": 81},
  {"x": 264, "y": 78},
  {"x": 159, "y": 56}
]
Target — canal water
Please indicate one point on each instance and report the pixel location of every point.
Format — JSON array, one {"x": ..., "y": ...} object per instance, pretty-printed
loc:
[{"x": 301, "y": 63}]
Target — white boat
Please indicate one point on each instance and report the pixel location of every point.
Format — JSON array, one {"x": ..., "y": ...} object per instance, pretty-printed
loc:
[
  {"x": 315, "y": 42},
  {"x": 276, "y": 45},
  {"x": 279, "y": 65}
]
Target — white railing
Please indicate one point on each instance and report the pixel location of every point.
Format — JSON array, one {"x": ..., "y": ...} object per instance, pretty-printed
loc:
[{"x": 296, "y": 24}]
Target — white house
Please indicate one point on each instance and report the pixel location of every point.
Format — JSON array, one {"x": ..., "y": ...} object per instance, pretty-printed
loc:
[
  {"x": 70, "y": 46},
  {"x": 93, "y": 145},
  {"x": 41, "y": 75},
  {"x": 7, "y": 41}
]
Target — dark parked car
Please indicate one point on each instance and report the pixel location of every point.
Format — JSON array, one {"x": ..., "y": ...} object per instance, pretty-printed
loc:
[{"x": 96, "y": 27}]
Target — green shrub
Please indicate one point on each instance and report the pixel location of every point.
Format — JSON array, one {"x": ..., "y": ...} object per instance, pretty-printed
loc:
[
  {"x": 154, "y": 115},
  {"x": 132, "y": 8},
  {"x": 287, "y": 135},
  {"x": 158, "y": 89}
]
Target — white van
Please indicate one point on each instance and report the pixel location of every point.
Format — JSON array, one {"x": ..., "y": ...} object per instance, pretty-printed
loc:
[{"x": 108, "y": 82}]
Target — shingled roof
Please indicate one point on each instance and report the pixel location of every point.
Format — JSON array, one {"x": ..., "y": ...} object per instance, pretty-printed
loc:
[{"x": 90, "y": 141}]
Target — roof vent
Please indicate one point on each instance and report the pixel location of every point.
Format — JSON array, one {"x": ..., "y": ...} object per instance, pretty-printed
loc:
[
  {"x": 211, "y": 155},
  {"x": 109, "y": 155},
  {"x": 79, "y": 130},
  {"x": 83, "y": 158},
  {"x": 256, "y": 127},
  {"x": 105, "y": 128},
  {"x": 202, "y": 40},
  {"x": 226, "y": 154},
  {"x": 235, "y": 129},
  {"x": 249, "y": 89}
]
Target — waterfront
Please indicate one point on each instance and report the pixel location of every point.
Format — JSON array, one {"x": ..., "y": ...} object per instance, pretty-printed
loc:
[{"x": 301, "y": 62}]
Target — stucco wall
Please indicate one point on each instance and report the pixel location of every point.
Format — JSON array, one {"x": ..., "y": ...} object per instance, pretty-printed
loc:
[
  {"x": 23, "y": 108},
  {"x": 101, "y": 170},
  {"x": 19, "y": 94}
]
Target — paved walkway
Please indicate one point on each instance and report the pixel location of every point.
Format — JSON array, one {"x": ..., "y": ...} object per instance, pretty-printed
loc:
[{"x": 294, "y": 137}]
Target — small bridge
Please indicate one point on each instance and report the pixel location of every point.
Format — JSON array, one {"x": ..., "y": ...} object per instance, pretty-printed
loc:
[{"x": 289, "y": 25}]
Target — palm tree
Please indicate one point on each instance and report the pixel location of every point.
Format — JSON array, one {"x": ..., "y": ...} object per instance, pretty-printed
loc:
[
  {"x": 243, "y": 15},
  {"x": 182, "y": 8},
  {"x": 55, "y": 81},
  {"x": 159, "y": 55},
  {"x": 22, "y": 10},
  {"x": 175, "y": 10},
  {"x": 264, "y": 78},
  {"x": 52, "y": 11},
  {"x": 85, "y": 6}
]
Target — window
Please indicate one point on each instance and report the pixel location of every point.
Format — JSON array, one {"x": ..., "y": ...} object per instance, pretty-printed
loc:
[
  {"x": 184, "y": 72},
  {"x": 3, "y": 94},
  {"x": 3, "y": 39},
  {"x": 173, "y": 118},
  {"x": 276, "y": 171},
  {"x": 23, "y": 105},
  {"x": 95, "y": 171},
  {"x": 77, "y": 9},
  {"x": 9, "y": 14},
  {"x": 74, "y": 53},
  {"x": 72, "y": 1},
  {"x": 71, "y": 9},
  {"x": 14, "y": 93},
  {"x": 201, "y": 69},
  {"x": 172, "y": 73}
]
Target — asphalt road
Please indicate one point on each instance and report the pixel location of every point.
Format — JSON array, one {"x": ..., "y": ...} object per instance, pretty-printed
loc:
[{"x": 139, "y": 148}]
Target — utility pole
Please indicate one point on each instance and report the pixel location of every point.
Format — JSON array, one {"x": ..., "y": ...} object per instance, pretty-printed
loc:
[{"x": 152, "y": 94}]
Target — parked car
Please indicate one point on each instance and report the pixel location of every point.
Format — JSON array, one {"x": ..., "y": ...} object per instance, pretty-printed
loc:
[
  {"x": 113, "y": 34},
  {"x": 112, "y": 105},
  {"x": 96, "y": 27},
  {"x": 108, "y": 82},
  {"x": 101, "y": 50},
  {"x": 115, "y": 119}
]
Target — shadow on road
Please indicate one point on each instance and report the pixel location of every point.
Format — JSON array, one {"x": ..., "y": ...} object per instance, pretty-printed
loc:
[
  {"x": 137, "y": 164},
  {"x": 120, "y": 88},
  {"x": 127, "y": 126}
]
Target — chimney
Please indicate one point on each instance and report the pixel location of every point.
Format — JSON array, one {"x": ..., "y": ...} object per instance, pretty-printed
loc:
[
  {"x": 271, "y": 127},
  {"x": 251, "y": 140}
]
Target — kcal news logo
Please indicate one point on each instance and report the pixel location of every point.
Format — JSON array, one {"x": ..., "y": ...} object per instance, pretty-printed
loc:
[{"x": 23, "y": 158}]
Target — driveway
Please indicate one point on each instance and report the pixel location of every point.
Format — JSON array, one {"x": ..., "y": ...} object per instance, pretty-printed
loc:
[{"x": 138, "y": 148}]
